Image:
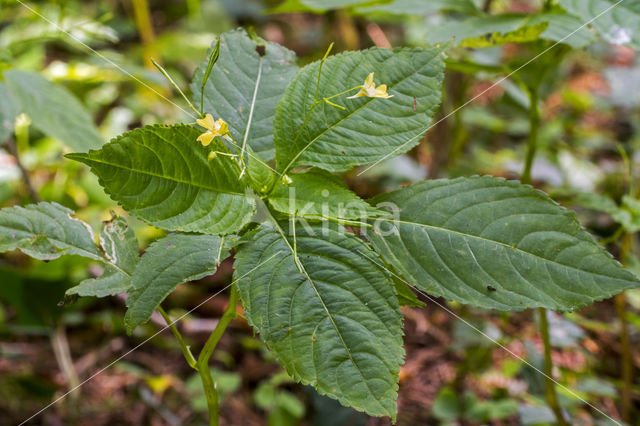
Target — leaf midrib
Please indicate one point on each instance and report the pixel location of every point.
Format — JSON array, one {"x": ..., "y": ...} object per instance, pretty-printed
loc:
[{"x": 145, "y": 172}]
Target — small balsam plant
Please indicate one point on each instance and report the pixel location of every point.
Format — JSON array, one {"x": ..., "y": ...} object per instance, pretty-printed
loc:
[{"x": 320, "y": 272}]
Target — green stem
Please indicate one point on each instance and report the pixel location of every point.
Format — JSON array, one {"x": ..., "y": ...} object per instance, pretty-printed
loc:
[
  {"x": 534, "y": 123},
  {"x": 185, "y": 348},
  {"x": 627, "y": 363},
  {"x": 532, "y": 146},
  {"x": 208, "y": 383},
  {"x": 549, "y": 389}
]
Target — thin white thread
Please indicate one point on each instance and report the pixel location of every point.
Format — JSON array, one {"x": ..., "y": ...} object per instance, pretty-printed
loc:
[
  {"x": 145, "y": 341},
  {"x": 491, "y": 339},
  {"x": 427, "y": 128}
]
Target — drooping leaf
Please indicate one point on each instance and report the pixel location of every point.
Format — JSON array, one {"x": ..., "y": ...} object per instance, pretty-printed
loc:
[
  {"x": 120, "y": 247},
  {"x": 46, "y": 231},
  {"x": 244, "y": 88},
  {"x": 168, "y": 262},
  {"x": 495, "y": 244},
  {"x": 53, "y": 110},
  {"x": 616, "y": 21},
  {"x": 370, "y": 129},
  {"x": 336, "y": 326},
  {"x": 419, "y": 7},
  {"x": 162, "y": 175},
  {"x": 513, "y": 27},
  {"x": 9, "y": 110},
  {"x": 317, "y": 194}
]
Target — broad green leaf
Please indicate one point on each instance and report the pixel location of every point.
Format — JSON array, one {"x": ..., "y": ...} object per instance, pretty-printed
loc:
[
  {"x": 120, "y": 247},
  {"x": 420, "y": 7},
  {"x": 318, "y": 194},
  {"x": 559, "y": 27},
  {"x": 53, "y": 110},
  {"x": 618, "y": 22},
  {"x": 162, "y": 175},
  {"x": 9, "y": 110},
  {"x": 371, "y": 129},
  {"x": 168, "y": 262},
  {"x": 495, "y": 244},
  {"x": 46, "y": 231},
  {"x": 336, "y": 326},
  {"x": 244, "y": 88}
]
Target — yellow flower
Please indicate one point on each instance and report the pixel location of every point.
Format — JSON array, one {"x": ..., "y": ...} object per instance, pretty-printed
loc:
[
  {"x": 370, "y": 90},
  {"x": 214, "y": 128}
]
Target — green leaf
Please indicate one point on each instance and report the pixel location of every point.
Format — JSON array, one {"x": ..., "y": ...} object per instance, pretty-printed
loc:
[
  {"x": 9, "y": 110},
  {"x": 46, "y": 231},
  {"x": 620, "y": 23},
  {"x": 120, "y": 244},
  {"x": 513, "y": 27},
  {"x": 370, "y": 129},
  {"x": 523, "y": 34},
  {"x": 406, "y": 296},
  {"x": 53, "y": 110},
  {"x": 420, "y": 7},
  {"x": 120, "y": 247},
  {"x": 261, "y": 176},
  {"x": 336, "y": 327},
  {"x": 316, "y": 194},
  {"x": 628, "y": 215},
  {"x": 319, "y": 6},
  {"x": 162, "y": 175},
  {"x": 475, "y": 26},
  {"x": 495, "y": 244},
  {"x": 110, "y": 283},
  {"x": 244, "y": 88},
  {"x": 168, "y": 262},
  {"x": 564, "y": 28}
]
